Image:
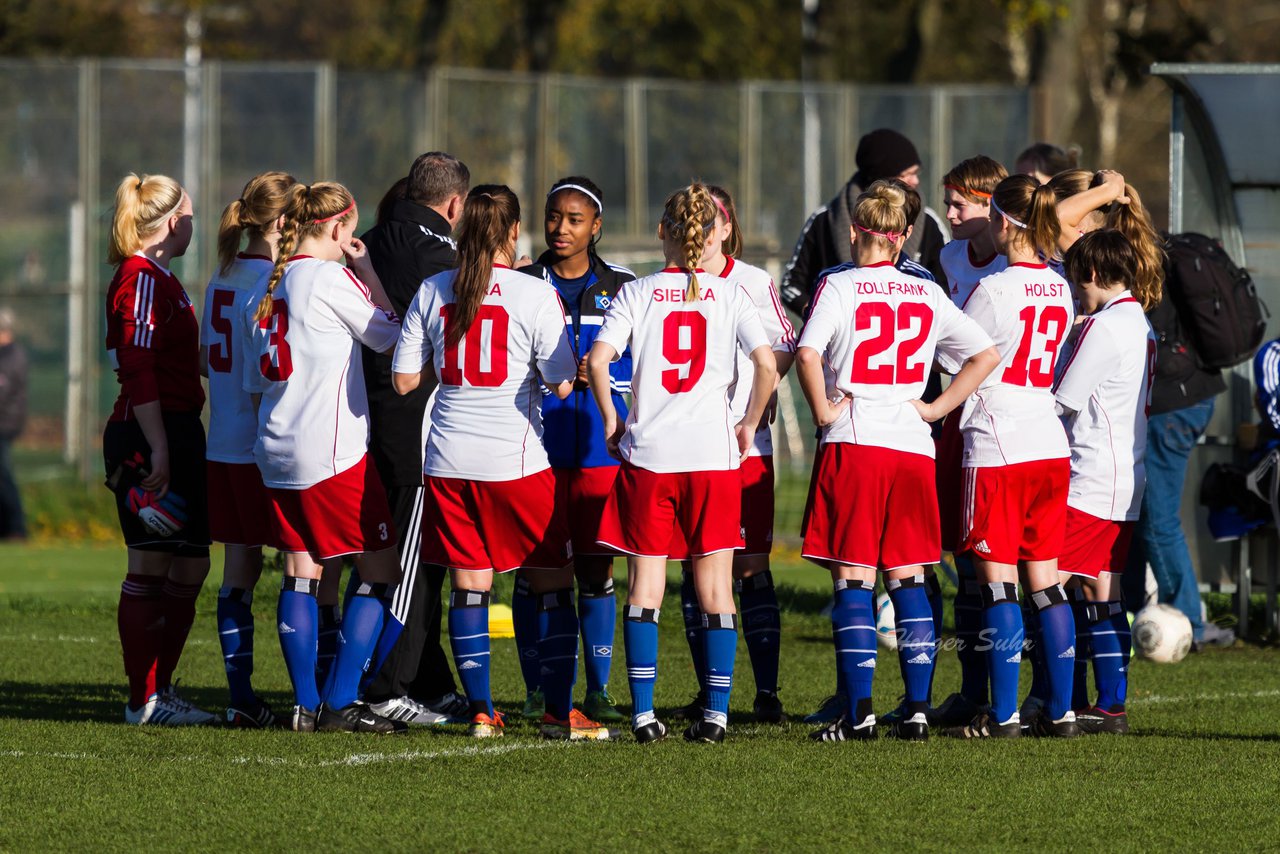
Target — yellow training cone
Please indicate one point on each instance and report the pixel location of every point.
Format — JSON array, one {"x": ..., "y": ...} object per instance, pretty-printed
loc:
[{"x": 500, "y": 623}]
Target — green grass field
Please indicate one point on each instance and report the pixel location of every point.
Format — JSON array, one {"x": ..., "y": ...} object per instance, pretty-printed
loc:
[{"x": 1201, "y": 770}]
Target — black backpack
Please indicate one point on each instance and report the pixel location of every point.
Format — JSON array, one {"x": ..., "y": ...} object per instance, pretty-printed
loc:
[{"x": 1218, "y": 307}]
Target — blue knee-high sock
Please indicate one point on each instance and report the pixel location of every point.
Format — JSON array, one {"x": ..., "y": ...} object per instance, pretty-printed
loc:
[
  {"x": 853, "y": 626},
  {"x": 1057, "y": 643},
  {"x": 1111, "y": 649},
  {"x": 235, "y": 634},
  {"x": 720, "y": 639},
  {"x": 693, "y": 627},
  {"x": 1033, "y": 647},
  {"x": 761, "y": 628},
  {"x": 640, "y": 634},
  {"x": 934, "y": 590},
  {"x": 557, "y": 650},
  {"x": 598, "y": 613},
  {"x": 974, "y": 673},
  {"x": 361, "y": 624},
  {"x": 1002, "y": 621},
  {"x": 469, "y": 640},
  {"x": 524, "y": 618},
  {"x": 917, "y": 644},
  {"x": 1084, "y": 648},
  {"x": 391, "y": 631},
  {"x": 297, "y": 619},
  {"x": 327, "y": 648}
]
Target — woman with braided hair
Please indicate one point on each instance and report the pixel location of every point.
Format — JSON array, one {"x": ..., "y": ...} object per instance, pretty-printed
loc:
[
  {"x": 307, "y": 324},
  {"x": 680, "y": 448}
]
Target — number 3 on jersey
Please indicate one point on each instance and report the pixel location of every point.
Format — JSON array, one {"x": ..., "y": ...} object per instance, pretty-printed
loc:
[
  {"x": 276, "y": 325},
  {"x": 889, "y": 322},
  {"x": 486, "y": 340}
]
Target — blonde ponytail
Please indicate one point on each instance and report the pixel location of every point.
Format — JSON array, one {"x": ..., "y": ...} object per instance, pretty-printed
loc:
[
  {"x": 143, "y": 205},
  {"x": 686, "y": 218},
  {"x": 307, "y": 210},
  {"x": 261, "y": 203}
]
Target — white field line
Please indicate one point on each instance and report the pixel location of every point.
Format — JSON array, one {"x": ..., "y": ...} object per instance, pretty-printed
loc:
[
  {"x": 350, "y": 761},
  {"x": 79, "y": 639},
  {"x": 1157, "y": 699}
]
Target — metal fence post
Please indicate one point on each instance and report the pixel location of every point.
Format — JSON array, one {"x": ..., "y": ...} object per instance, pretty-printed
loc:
[
  {"x": 83, "y": 329},
  {"x": 637, "y": 174},
  {"x": 326, "y": 119}
]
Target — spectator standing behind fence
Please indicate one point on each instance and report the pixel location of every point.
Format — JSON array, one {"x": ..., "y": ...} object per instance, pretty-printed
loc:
[
  {"x": 825, "y": 242},
  {"x": 13, "y": 416},
  {"x": 410, "y": 676}
]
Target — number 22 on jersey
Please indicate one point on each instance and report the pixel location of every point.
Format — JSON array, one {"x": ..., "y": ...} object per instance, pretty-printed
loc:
[
  {"x": 893, "y": 358},
  {"x": 485, "y": 340}
]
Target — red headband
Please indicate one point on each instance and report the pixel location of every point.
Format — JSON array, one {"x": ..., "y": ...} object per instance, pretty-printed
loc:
[
  {"x": 339, "y": 215},
  {"x": 967, "y": 190},
  {"x": 724, "y": 213},
  {"x": 890, "y": 236}
]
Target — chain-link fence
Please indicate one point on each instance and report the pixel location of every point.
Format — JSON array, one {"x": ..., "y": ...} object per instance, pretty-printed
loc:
[{"x": 71, "y": 130}]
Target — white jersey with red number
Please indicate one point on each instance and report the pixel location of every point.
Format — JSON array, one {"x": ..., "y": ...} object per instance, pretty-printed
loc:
[
  {"x": 684, "y": 357},
  {"x": 1027, "y": 310},
  {"x": 313, "y": 420},
  {"x": 1105, "y": 387},
  {"x": 233, "y": 426},
  {"x": 879, "y": 330},
  {"x": 777, "y": 328},
  {"x": 486, "y": 414},
  {"x": 964, "y": 271}
]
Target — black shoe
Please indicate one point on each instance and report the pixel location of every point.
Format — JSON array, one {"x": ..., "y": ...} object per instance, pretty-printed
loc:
[
  {"x": 356, "y": 717},
  {"x": 303, "y": 720},
  {"x": 914, "y": 728},
  {"x": 768, "y": 708},
  {"x": 255, "y": 715},
  {"x": 705, "y": 732},
  {"x": 982, "y": 726},
  {"x": 694, "y": 711},
  {"x": 1094, "y": 720},
  {"x": 1045, "y": 727},
  {"x": 841, "y": 730},
  {"x": 956, "y": 710},
  {"x": 650, "y": 732}
]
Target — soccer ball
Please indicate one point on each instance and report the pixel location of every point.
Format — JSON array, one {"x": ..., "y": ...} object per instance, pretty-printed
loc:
[
  {"x": 1162, "y": 633},
  {"x": 886, "y": 624}
]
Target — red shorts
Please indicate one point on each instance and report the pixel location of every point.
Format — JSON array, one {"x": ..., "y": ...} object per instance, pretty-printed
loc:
[
  {"x": 673, "y": 514},
  {"x": 950, "y": 478},
  {"x": 583, "y": 493},
  {"x": 1093, "y": 546},
  {"x": 500, "y": 525},
  {"x": 757, "y": 505},
  {"x": 239, "y": 505},
  {"x": 872, "y": 507},
  {"x": 346, "y": 514},
  {"x": 1016, "y": 512}
]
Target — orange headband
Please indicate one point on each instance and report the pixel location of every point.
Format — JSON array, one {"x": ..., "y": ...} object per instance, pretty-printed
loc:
[
  {"x": 967, "y": 190},
  {"x": 339, "y": 215}
]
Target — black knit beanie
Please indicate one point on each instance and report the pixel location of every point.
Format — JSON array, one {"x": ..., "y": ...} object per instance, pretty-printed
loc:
[{"x": 884, "y": 153}]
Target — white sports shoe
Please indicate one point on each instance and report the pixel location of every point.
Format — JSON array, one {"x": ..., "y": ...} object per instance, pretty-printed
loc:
[
  {"x": 409, "y": 711},
  {"x": 168, "y": 709}
]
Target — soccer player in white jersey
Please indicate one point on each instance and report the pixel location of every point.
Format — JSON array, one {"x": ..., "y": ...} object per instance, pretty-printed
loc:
[
  {"x": 494, "y": 336},
  {"x": 969, "y": 257},
  {"x": 871, "y": 505},
  {"x": 1015, "y": 461},
  {"x": 761, "y": 618},
  {"x": 1103, "y": 393},
  {"x": 679, "y": 490},
  {"x": 313, "y": 435},
  {"x": 239, "y": 507}
]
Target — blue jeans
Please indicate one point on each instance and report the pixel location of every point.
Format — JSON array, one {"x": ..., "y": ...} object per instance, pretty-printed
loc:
[{"x": 1160, "y": 540}]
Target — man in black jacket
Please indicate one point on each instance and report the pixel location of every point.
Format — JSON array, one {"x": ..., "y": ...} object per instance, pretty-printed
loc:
[
  {"x": 414, "y": 683},
  {"x": 825, "y": 240},
  {"x": 13, "y": 416}
]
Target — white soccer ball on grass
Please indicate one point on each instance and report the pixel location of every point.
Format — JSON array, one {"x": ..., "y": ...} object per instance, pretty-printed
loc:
[
  {"x": 886, "y": 623},
  {"x": 1162, "y": 633}
]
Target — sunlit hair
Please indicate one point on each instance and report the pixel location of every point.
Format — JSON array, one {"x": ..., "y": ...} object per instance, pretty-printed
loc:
[
  {"x": 733, "y": 246},
  {"x": 1048, "y": 159},
  {"x": 687, "y": 218},
  {"x": 490, "y": 212},
  {"x": 144, "y": 203},
  {"x": 260, "y": 204},
  {"x": 1032, "y": 210},
  {"x": 880, "y": 216},
  {"x": 309, "y": 209},
  {"x": 1133, "y": 221},
  {"x": 975, "y": 179},
  {"x": 1106, "y": 257}
]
